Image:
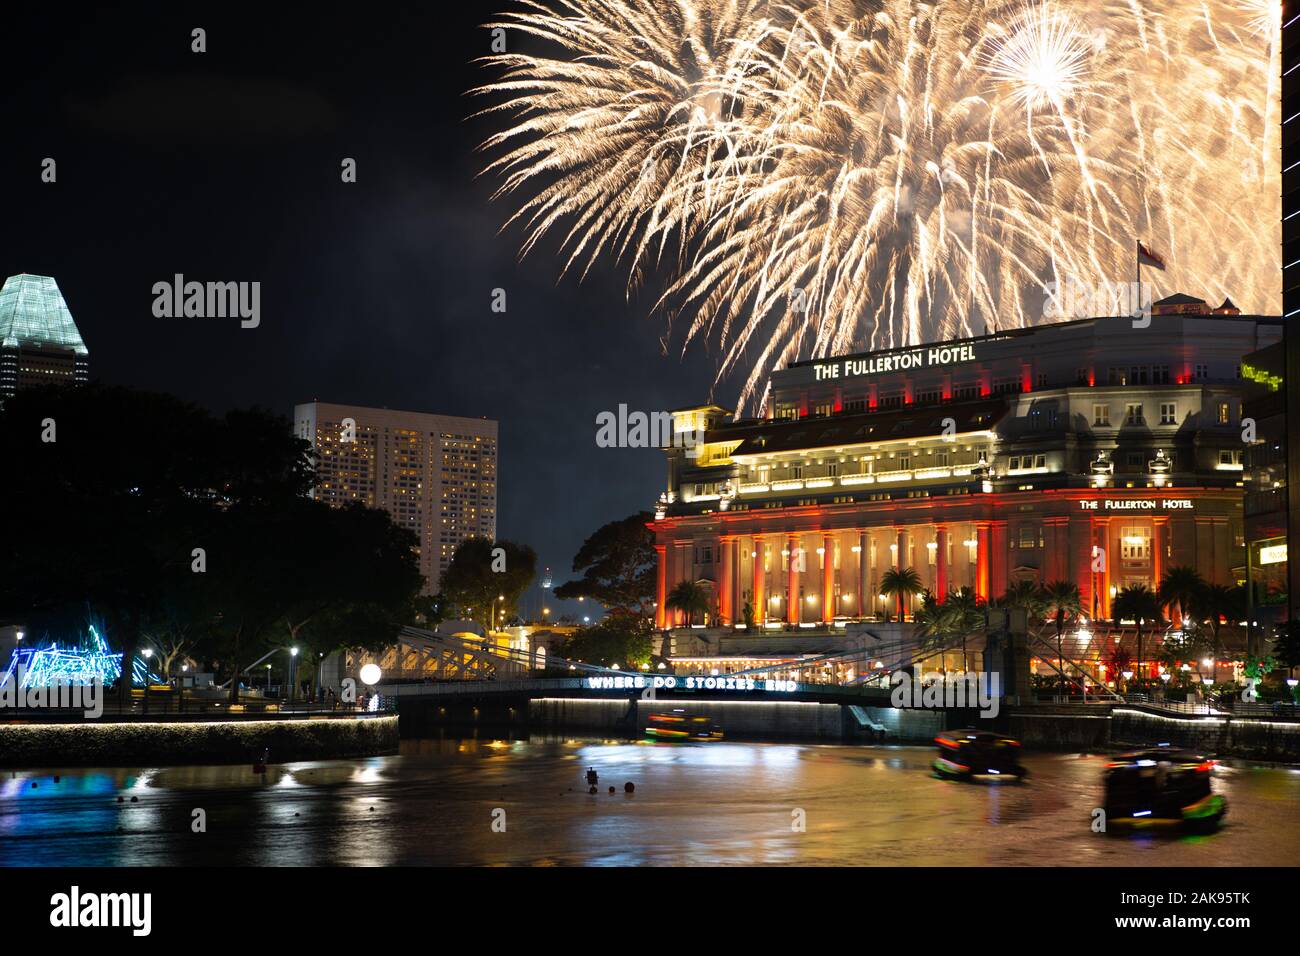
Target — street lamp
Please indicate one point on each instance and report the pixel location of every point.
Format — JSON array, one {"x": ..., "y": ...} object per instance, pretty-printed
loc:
[{"x": 293, "y": 674}]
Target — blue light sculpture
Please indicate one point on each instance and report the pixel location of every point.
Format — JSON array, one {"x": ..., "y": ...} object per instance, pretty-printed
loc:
[{"x": 54, "y": 665}]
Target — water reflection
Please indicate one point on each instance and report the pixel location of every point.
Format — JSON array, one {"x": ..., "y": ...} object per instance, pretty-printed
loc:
[{"x": 711, "y": 804}]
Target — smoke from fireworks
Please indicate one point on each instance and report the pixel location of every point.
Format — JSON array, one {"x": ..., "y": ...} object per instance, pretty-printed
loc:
[{"x": 818, "y": 176}]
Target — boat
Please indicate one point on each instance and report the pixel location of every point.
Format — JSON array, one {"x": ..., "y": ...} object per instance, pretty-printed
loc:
[
  {"x": 681, "y": 727},
  {"x": 977, "y": 755},
  {"x": 1162, "y": 787}
]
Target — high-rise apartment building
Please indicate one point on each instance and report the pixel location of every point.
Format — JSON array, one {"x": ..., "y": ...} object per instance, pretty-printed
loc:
[
  {"x": 39, "y": 342},
  {"x": 435, "y": 474}
]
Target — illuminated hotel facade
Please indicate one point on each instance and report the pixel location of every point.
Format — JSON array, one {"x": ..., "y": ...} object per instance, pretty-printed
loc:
[
  {"x": 1095, "y": 451},
  {"x": 434, "y": 474}
]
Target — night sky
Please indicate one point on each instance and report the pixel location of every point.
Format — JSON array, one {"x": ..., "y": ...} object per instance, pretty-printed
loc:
[{"x": 225, "y": 166}]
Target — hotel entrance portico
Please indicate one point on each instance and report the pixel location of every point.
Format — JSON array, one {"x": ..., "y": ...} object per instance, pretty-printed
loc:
[{"x": 823, "y": 563}]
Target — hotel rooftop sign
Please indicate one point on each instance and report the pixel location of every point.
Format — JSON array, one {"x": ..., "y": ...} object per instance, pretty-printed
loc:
[{"x": 933, "y": 356}]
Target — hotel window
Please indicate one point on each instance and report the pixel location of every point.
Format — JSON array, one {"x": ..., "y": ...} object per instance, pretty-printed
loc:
[
  {"x": 891, "y": 401},
  {"x": 824, "y": 409},
  {"x": 1118, "y": 376},
  {"x": 854, "y": 405},
  {"x": 787, "y": 410},
  {"x": 1133, "y": 414},
  {"x": 1135, "y": 544},
  {"x": 1202, "y": 372},
  {"x": 1168, "y": 413},
  {"x": 1137, "y": 375},
  {"x": 1042, "y": 380},
  {"x": 961, "y": 392},
  {"x": 1228, "y": 457},
  {"x": 796, "y": 471},
  {"x": 833, "y": 471},
  {"x": 930, "y": 397},
  {"x": 1008, "y": 386},
  {"x": 1081, "y": 376},
  {"x": 941, "y": 459},
  {"x": 905, "y": 463},
  {"x": 1225, "y": 413},
  {"x": 1101, "y": 415},
  {"x": 1160, "y": 375},
  {"x": 1028, "y": 537}
]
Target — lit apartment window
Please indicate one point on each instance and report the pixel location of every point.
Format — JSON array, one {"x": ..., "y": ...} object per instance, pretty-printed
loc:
[
  {"x": 1168, "y": 413},
  {"x": 1133, "y": 414},
  {"x": 1101, "y": 415},
  {"x": 1225, "y": 413}
]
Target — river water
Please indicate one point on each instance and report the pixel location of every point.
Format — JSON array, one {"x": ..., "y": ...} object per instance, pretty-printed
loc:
[{"x": 511, "y": 802}]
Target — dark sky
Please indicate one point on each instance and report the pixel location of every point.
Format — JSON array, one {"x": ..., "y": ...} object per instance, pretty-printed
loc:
[{"x": 225, "y": 166}]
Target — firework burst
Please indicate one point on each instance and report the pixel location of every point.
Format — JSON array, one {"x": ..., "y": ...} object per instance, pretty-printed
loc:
[{"x": 833, "y": 175}]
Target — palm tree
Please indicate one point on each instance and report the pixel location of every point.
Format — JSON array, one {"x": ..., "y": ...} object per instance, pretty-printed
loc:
[
  {"x": 689, "y": 598},
  {"x": 1025, "y": 595},
  {"x": 960, "y": 613},
  {"x": 900, "y": 582},
  {"x": 1218, "y": 601},
  {"x": 1181, "y": 586},
  {"x": 1140, "y": 604},
  {"x": 1061, "y": 599}
]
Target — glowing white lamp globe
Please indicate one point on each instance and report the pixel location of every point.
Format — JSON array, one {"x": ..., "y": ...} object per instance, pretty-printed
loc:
[{"x": 370, "y": 674}]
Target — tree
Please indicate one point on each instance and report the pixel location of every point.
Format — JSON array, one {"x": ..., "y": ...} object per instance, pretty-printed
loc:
[
  {"x": 618, "y": 564},
  {"x": 958, "y": 615},
  {"x": 689, "y": 598},
  {"x": 1140, "y": 604},
  {"x": 1023, "y": 595},
  {"x": 200, "y": 540},
  {"x": 486, "y": 579},
  {"x": 1061, "y": 600},
  {"x": 1181, "y": 587},
  {"x": 1216, "y": 602},
  {"x": 900, "y": 583},
  {"x": 621, "y": 637}
]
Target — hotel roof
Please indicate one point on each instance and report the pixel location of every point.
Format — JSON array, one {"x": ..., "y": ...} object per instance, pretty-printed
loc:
[
  {"x": 766, "y": 437},
  {"x": 32, "y": 312}
]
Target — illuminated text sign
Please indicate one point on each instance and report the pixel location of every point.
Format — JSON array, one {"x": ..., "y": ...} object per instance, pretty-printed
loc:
[
  {"x": 930, "y": 357},
  {"x": 1137, "y": 504},
  {"x": 666, "y": 682}
]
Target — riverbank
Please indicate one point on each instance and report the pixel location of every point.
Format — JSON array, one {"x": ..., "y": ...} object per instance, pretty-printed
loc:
[{"x": 176, "y": 742}]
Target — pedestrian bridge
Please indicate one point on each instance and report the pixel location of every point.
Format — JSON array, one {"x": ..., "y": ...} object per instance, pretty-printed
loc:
[{"x": 644, "y": 686}]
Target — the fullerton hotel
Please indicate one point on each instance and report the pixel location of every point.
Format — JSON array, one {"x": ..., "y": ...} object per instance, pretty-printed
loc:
[{"x": 975, "y": 462}]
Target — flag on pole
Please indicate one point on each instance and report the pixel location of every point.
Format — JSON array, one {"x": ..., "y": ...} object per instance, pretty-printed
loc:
[{"x": 1148, "y": 258}]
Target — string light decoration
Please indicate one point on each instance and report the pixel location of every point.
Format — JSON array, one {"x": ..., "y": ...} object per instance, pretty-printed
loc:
[{"x": 53, "y": 665}]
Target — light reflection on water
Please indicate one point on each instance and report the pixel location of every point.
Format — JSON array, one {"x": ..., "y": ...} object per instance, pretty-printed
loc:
[{"x": 695, "y": 804}]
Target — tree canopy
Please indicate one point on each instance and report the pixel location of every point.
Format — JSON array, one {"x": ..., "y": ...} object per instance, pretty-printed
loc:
[
  {"x": 618, "y": 566},
  {"x": 188, "y": 531}
]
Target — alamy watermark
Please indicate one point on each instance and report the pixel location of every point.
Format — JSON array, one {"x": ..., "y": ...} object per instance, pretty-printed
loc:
[
  {"x": 937, "y": 691},
  {"x": 56, "y": 695},
  {"x": 1075, "y": 299},
  {"x": 209, "y": 300},
  {"x": 636, "y": 429}
]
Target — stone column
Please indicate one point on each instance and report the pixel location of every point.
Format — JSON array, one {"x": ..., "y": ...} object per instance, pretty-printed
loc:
[
  {"x": 866, "y": 600},
  {"x": 982, "y": 559},
  {"x": 1159, "y": 539},
  {"x": 1101, "y": 541},
  {"x": 828, "y": 578},
  {"x": 998, "y": 554},
  {"x": 941, "y": 561},
  {"x": 726, "y": 588},
  {"x": 759, "y": 597},
  {"x": 792, "y": 609},
  {"x": 661, "y": 586}
]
